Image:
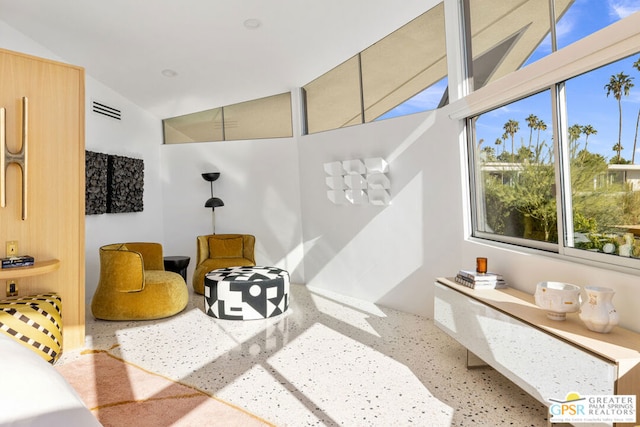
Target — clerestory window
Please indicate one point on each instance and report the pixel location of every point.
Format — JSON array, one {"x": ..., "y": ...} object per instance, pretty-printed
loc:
[
  {"x": 404, "y": 73},
  {"x": 268, "y": 117}
]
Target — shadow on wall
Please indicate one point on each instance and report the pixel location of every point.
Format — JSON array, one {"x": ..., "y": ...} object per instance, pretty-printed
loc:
[
  {"x": 369, "y": 251},
  {"x": 379, "y": 255},
  {"x": 260, "y": 188}
]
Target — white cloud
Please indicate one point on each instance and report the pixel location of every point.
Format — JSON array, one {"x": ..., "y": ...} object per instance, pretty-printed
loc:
[
  {"x": 565, "y": 26},
  {"x": 425, "y": 100},
  {"x": 619, "y": 9}
]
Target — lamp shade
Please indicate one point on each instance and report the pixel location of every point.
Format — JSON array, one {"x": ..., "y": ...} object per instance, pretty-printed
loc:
[
  {"x": 211, "y": 176},
  {"x": 214, "y": 202}
]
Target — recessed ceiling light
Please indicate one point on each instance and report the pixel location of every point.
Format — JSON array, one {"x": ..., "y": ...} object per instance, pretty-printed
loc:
[
  {"x": 252, "y": 23},
  {"x": 169, "y": 73}
]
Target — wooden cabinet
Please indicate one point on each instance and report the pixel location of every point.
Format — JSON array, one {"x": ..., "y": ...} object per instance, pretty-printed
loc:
[
  {"x": 53, "y": 229},
  {"x": 546, "y": 358}
]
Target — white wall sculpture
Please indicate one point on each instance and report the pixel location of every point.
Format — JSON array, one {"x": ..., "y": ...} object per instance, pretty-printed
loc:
[{"x": 358, "y": 182}]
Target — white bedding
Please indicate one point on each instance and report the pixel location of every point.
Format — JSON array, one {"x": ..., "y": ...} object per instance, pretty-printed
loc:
[{"x": 33, "y": 393}]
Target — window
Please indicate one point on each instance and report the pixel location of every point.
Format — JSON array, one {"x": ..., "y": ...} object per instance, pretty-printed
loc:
[
  {"x": 333, "y": 99},
  {"x": 268, "y": 117},
  {"x": 404, "y": 73},
  {"x": 556, "y": 170},
  {"x": 516, "y": 188},
  {"x": 261, "y": 118},
  {"x": 603, "y": 113},
  {"x": 404, "y": 64},
  {"x": 508, "y": 35},
  {"x": 515, "y": 175},
  {"x": 504, "y": 35},
  {"x": 197, "y": 127},
  {"x": 585, "y": 17}
]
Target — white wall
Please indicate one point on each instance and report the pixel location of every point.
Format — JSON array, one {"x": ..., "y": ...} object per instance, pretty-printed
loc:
[
  {"x": 386, "y": 254},
  {"x": 16, "y": 41},
  {"x": 137, "y": 135},
  {"x": 259, "y": 187}
]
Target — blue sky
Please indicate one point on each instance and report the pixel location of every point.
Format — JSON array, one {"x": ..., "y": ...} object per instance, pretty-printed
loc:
[
  {"x": 587, "y": 104},
  {"x": 585, "y": 17},
  {"x": 587, "y": 100}
]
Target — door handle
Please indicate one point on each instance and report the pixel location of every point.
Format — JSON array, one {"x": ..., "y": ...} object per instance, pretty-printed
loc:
[{"x": 20, "y": 158}]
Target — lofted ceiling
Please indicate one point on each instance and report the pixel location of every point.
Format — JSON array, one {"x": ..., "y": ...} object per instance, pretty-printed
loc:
[{"x": 222, "y": 51}]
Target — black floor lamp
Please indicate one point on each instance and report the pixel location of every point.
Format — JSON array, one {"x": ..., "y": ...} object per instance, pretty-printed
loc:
[{"x": 213, "y": 202}]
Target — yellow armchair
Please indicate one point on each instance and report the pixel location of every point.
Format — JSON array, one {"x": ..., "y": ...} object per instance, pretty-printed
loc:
[
  {"x": 221, "y": 251},
  {"x": 133, "y": 284}
]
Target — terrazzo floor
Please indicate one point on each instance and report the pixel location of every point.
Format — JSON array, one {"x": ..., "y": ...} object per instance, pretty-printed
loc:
[{"x": 329, "y": 360}]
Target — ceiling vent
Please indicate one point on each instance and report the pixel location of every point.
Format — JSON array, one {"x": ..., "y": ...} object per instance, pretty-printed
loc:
[{"x": 105, "y": 110}]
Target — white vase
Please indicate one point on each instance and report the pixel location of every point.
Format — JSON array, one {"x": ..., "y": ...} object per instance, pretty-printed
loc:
[{"x": 597, "y": 312}]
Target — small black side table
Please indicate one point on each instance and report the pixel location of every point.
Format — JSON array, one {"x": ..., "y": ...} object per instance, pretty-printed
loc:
[{"x": 177, "y": 264}]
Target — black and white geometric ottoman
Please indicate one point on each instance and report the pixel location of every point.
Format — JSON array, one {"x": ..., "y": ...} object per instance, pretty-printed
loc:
[{"x": 246, "y": 293}]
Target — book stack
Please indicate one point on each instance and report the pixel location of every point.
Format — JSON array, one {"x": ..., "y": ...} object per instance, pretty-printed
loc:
[
  {"x": 475, "y": 280},
  {"x": 17, "y": 261}
]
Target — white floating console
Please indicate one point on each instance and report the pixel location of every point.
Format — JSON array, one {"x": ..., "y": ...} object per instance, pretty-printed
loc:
[{"x": 548, "y": 359}]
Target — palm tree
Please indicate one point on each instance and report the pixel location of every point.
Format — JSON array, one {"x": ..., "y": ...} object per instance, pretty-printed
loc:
[
  {"x": 532, "y": 121},
  {"x": 511, "y": 128},
  {"x": 588, "y": 130},
  {"x": 619, "y": 85},
  {"x": 636, "y": 65},
  {"x": 618, "y": 148},
  {"x": 498, "y": 143},
  {"x": 635, "y": 139},
  {"x": 540, "y": 126},
  {"x": 574, "y": 135}
]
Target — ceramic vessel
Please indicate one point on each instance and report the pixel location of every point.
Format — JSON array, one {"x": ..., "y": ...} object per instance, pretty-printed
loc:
[
  {"x": 557, "y": 299},
  {"x": 597, "y": 311}
]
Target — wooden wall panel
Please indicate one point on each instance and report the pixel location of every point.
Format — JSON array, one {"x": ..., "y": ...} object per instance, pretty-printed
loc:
[{"x": 54, "y": 227}]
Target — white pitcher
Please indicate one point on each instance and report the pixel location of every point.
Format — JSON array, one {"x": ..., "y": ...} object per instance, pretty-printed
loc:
[{"x": 597, "y": 312}]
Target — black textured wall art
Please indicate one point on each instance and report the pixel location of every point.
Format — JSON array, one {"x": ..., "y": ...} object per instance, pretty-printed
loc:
[
  {"x": 114, "y": 184},
  {"x": 96, "y": 183},
  {"x": 126, "y": 184}
]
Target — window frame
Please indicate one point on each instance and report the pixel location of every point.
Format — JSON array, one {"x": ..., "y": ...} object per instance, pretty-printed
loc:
[
  {"x": 615, "y": 42},
  {"x": 474, "y": 176}
]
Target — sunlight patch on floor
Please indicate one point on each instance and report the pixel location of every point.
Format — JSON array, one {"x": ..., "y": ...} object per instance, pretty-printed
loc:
[{"x": 364, "y": 381}]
